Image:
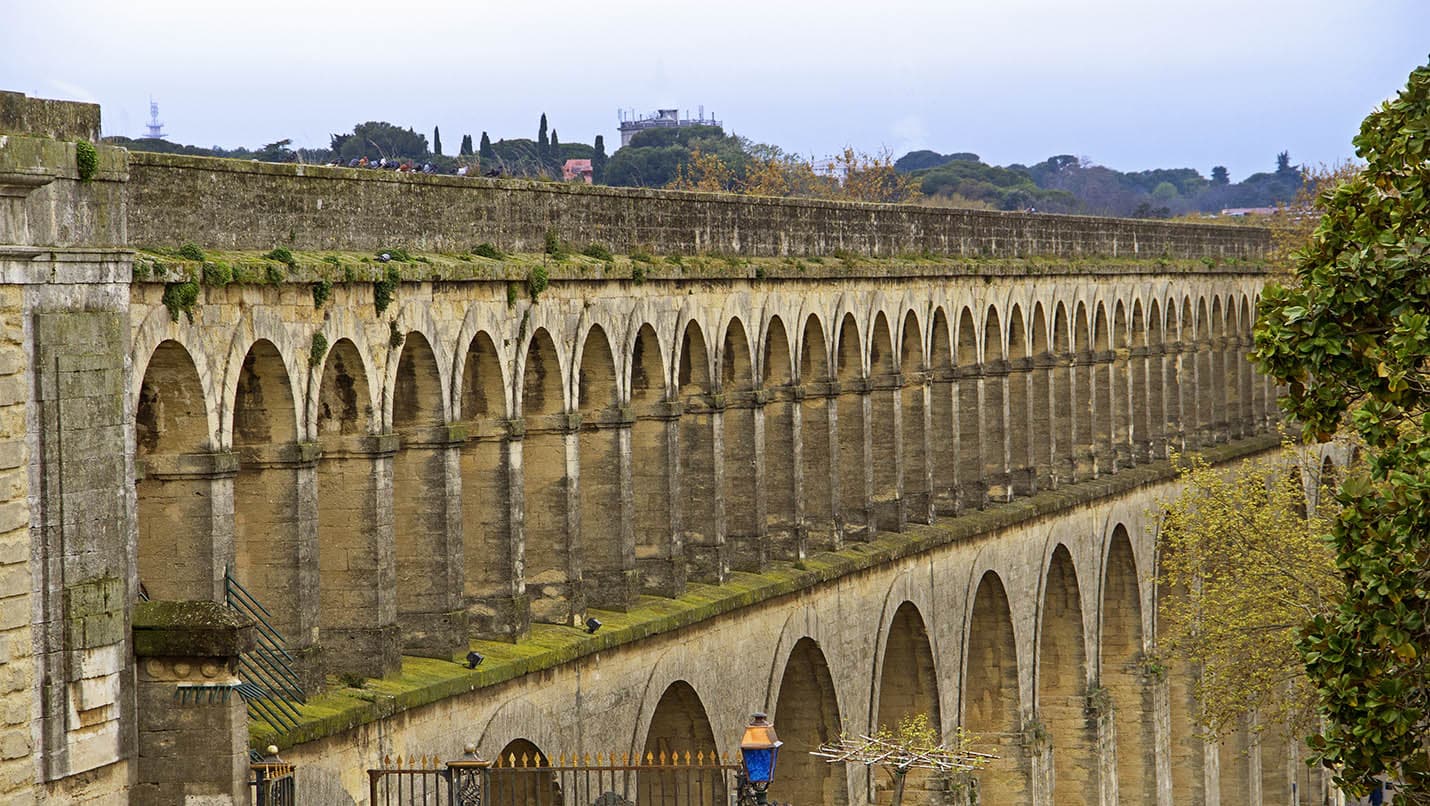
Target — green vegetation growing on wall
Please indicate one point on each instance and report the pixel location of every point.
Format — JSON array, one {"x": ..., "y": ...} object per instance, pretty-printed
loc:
[
  {"x": 86, "y": 160},
  {"x": 317, "y": 349},
  {"x": 385, "y": 290},
  {"x": 181, "y": 298},
  {"x": 537, "y": 281},
  {"x": 322, "y": 290}
]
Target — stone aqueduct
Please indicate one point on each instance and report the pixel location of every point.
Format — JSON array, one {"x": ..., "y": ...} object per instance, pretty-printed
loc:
[{"x": 894, "y": 485}]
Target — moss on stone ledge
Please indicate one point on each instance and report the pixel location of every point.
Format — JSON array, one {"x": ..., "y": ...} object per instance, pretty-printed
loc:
[
  {"x": 426, "y": 680},
  {"x": 167, "y": 264}
]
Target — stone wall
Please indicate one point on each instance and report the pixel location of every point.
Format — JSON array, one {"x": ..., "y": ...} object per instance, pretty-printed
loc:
[
  {"x": 241, "y": 205},
  {"x": 17, "y": 673}
]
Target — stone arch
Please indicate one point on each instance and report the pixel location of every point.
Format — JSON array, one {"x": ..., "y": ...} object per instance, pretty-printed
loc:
[
  {"x": 1147, "y": 415},
  {"x": 1121, "y": 659},
  {"x": 158, "y": 327},
  {"x": 552, "y": 568},
  {"x": 817, "y": 438},
  {"x": 679, "y": 725},
  {"x": 993, "y": 408},
  {"x": 852, "y": 465},
  {"x": 700, "y": 478},
  {"x": 419, "y": 333},
  {"x": 1102, "y": 378},
  {"x": 973, "y": 484},
  {"x": 1173, "y": 419},
  {"x": 914, "y": 402},
  {"x": 1062, "y": 686},
  {"x": 1120, "y": 373},
  {"x": 1204, "y": 392},
  {"x": 523, "y": 787},
  {"x": 883, "y": 424},
  {"x": 658, "y": 557},
  {"x": 991, "y": 711},
  {"x": 356, "y": 610},
  {"x": 744, "y": 524},
  {"x": 176, "y": 517},
  {"x": 1064, "y": 404},
  {"x": 907, "y": 686},
  {"x": 807, "y": 716},
  {"x": 942, "y": 438},
  {"x": 271, "y": 538},
  {"x": 782, "y": 449},
  {"x": 607, "y": 548},
  {"x": 489, "y": 554},
  {"x": 1084, "y": 400},
  {"x": 1040, "y": 391},
  {"x": 1223, "y": 376},
  {"x": 1020, "y": 404}
]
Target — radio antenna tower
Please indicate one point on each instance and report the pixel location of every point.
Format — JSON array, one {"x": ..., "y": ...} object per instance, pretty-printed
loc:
[{"x": 156, "y": 129}]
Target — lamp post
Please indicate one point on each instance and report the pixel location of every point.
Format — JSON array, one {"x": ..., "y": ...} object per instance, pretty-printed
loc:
[{"x": 759, "y": 749}]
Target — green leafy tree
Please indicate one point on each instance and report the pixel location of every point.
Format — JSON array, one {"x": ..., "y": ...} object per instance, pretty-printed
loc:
[
  {"x": 485, "y": 151},
  {"x": 379, "y": 139},
  {"x": 437, "y": 140},
  {"x": 1350, "y": 337},
  {"x": 1220, "y": 175},
  {"x": 598, "y": 160}
]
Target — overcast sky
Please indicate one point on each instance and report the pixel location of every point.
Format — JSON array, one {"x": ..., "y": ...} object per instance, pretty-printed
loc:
[{"x": 1132, "y": 84}]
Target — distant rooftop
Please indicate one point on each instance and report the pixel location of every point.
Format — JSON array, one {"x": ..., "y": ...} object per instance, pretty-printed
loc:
[{"x": 633, "y": 123}]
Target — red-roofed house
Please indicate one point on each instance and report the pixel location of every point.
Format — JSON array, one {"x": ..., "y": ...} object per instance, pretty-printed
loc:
[{"x": 578, "y": 169}]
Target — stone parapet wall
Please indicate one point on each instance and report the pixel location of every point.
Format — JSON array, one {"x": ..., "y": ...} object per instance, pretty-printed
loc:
[
  {"x": 17, "y": 670},
  {"x": 44, "y": 117},
  {"x": 248, "y": 205}
]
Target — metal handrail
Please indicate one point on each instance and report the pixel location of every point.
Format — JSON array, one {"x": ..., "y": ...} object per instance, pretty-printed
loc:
[{"x": 269, "y": 685}]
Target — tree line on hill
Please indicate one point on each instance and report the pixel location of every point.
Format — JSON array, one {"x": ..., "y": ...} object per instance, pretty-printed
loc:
[{"x": 707, "y": 158}]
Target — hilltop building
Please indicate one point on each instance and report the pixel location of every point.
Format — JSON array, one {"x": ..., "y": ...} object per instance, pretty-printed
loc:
[{"x": 633, "y": 124}]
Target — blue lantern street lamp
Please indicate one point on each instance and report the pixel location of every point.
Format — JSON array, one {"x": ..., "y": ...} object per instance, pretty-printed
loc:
[{"x": 759, "y": 748}]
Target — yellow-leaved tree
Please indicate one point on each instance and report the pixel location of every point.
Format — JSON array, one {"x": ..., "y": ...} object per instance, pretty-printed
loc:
[{"x": 1243, "y": 565}]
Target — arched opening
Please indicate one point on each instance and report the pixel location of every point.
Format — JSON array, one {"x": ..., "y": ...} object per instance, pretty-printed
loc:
[
  {"x": 908, "y": 687},
  {"x": 1062, "y": 687},
  {"x": 973, "y": 485},
  {"x": 1328, "y": 484},
  {"x": 886, "y": 508},
  {"x": 1103, "y": 402},
  {"x": 423, "y": 535},
  {"x": 356, "y": 610},
  {"x": 1173, "y": 376},
  {"x": 1188, "y": 753},
  {"x": 913, "y": 421},
  {"x": 1121, "y": 373},
  {"x": 990, "y": 693},
  {"x": 701, "y": 500},
  {"x": 1122, "y": 678},
  {"x": 744, "y": 518},
  {"x": 679, "y": 729},
  {"x": 1084, "y": 381},
  {"x": 1232, "y": 361},
  {"x": 1205, "y": 393},
  {"x": 807, "y": 716},
  {"x": 269, "y": 532},
  {"x": 1040, "y": 389},
  {"x": 176, "y": 514},
  {"x": 514, "y": 780},
  {"x": 1245, "y": 377},
  {"x": 1063, "y": 406},
  {"x": 608, "y": 551},
  {"x": 853, "y": 468},
  {"x": 658, "y": 554},
  {"x": 782, "y": 457},
  {"x": 491, "y": 578},
  {"x": 552, "y": 570},
  {"x": 817, "y": 436},
  {"x": 1261, "y": 399},
  {"x": 942, "y": 439},
  {"x": 993, "y": 409},
  {"x": 1221, "y": 373},
  {"x": 1154, "y": 419},
  {"x": 1020, "y": 414}
]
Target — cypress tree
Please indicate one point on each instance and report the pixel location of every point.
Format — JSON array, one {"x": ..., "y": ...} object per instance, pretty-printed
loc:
[
  {"x": 465, "y": 150},
  {"x": 555, "y": 158},
  {"x": 543, "y": 146},
  {"x": 486, "y": 152},
  {"x": 598, "y": 160},
  {"x": 437, "y": 140}
]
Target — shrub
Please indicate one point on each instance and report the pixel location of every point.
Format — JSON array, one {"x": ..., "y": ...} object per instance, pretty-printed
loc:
[
  {"x": 181, "y": 298},
  {"x": 282, "y": 255},
  {"x": 217, "y": 274},
  {"x": 486, "y": 250},
  {"x": 322, "y": 290},
  {"x": 191, "y": 251},
  {"x": 273, "y": 273},
  {"x": 86, "y": 160},
  {"x": 598, "y": 252},
  {"x": 384, "y": 290},
  {"x": 553, "y": 245},
  {"x": 537, "y": 281}
]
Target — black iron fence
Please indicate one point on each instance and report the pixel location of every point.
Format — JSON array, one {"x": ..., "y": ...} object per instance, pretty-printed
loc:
[
  {"x": 270, "y": 782},
  {"x": 677, "y": 779}
]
